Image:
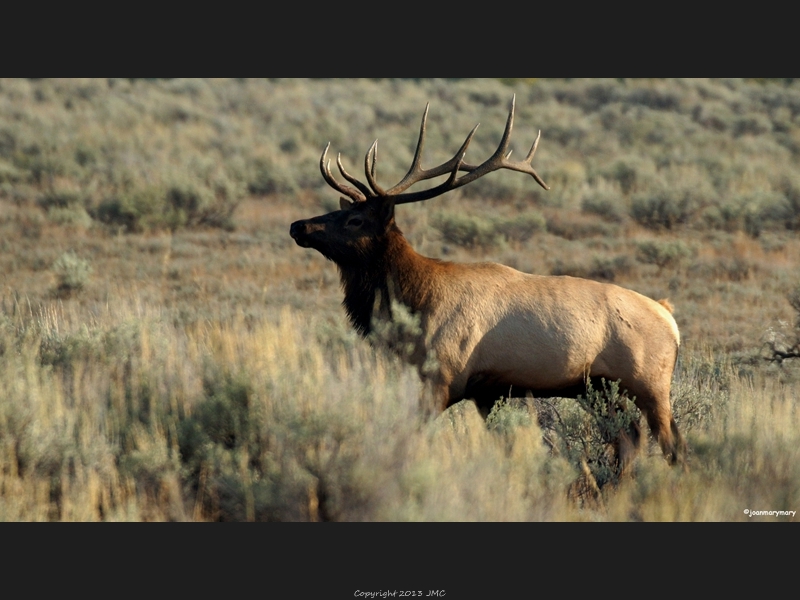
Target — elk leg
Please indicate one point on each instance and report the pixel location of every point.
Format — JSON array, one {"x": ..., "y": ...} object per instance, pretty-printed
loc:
[
  {"x": 435, "y": 398},
  {"x": 679, "y": 451},
  {"x": 627, "y": 443},
  {"x": 662, "y": 425},
  {"x": 487, "y": 394},
  {"x": 627, "y": 446}
]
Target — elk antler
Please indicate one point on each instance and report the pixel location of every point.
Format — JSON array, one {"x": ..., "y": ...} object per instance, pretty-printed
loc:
[
  {"x": 356, "y": 195},
  {"x": 498, "y": 160}
]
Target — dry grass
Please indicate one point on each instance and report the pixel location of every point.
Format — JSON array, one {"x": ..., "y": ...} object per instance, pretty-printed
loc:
[{"x": 125, "y": 415}]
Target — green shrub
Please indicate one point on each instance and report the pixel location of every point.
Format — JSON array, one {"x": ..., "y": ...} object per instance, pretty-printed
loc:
[
  {"x": 781, "y": 343},
  {"x": 736, "y": 268},
  {"x": 129, "y": 211},
  {"x": 506, "y": 419},
  {"x": 94, "y": 346},
  {"x": 584, "y": 432},
  {"x": 601, "y": 268},
  {"x": 727, "y": 217},
  {"x": 267, "y": 177},
  {"x": 192, "y": 205},
  {"x": 72, "y": 273},
  {"x": 714, "y": 116},
  {"x": 30, "y": 224},
  {"x": 479, "y": 231},
  {"x": 755, "y": 124},
  {"x": 172, "y": 207},
  {"x": 61, "y": 199},
  {"x": 668, "y": 253},
  {"x": 9, "y": 173},
  {"x": 628, "y": 172},
  {"x": 752, "y": 212},
  {"x": 578, "y": 228},
  {"x": 790, "y": 186},
  {"x": 611, "y": 409},
  {"x": 700, "y": 389},
  {"x": 603, "y": 204},
  {"x": 75, "y": 216},
  {"x": 607, "y": 268},
  {"x": 665, "y": 208},
  {"x": 245, "y": 465},
  {"x": 467, "y": 231},
  {"x": 521, "y": 228}
]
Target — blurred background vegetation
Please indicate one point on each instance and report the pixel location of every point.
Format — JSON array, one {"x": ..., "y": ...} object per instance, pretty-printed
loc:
[{"x": 169, "y": 353}]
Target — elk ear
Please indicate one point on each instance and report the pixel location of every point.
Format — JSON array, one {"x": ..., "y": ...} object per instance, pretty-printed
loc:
[
  {"x": 344, "y": 203},
  {"x": 386, "y": 210}
]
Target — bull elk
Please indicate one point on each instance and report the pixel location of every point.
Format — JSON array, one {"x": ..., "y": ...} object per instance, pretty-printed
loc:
[{"x": 489, "y": 327}]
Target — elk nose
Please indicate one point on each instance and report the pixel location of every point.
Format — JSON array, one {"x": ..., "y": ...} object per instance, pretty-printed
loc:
[
  {"x": 294, "y": 230},
  {"x": 299, "y": 233}
]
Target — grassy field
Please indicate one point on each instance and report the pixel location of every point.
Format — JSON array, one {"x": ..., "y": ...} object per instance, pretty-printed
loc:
[{"x": 168, "y": 353}]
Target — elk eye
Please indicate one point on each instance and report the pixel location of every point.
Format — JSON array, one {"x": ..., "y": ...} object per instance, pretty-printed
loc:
[{"x": 355, "y": 222}]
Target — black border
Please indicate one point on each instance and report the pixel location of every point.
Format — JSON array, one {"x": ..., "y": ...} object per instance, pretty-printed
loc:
[{"x": 465, "y": 560}]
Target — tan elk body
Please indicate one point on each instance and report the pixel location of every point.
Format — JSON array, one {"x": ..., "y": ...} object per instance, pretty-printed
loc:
[{"x": 490, "y": 329}]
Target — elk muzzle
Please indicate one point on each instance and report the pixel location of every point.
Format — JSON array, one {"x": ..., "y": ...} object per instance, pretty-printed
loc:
[{"x": 301, "y": 232}]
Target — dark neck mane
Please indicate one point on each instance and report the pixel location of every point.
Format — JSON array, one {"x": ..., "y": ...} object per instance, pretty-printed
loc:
[
  {"x": 392, "y": 271},
  {"x": 360, "y": 290}
]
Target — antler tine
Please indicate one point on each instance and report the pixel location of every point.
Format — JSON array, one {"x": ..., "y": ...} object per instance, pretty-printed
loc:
[
  {"x": 363, "y": 188},
  {"x": 325, "y": 168},
  {"x": 408, "y": 180},
  {"x": 369, "y": 167},
  {"x": 529, "y": 158},
  {"x": 421, "y": 141},
  {"x": 501, "y": 149},
  {"x": 532, "y": 151}
]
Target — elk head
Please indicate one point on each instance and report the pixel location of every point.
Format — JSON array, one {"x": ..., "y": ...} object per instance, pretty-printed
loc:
[
  {"x": 350, "y": 236},
  {"x": 355, "y": 234}
]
